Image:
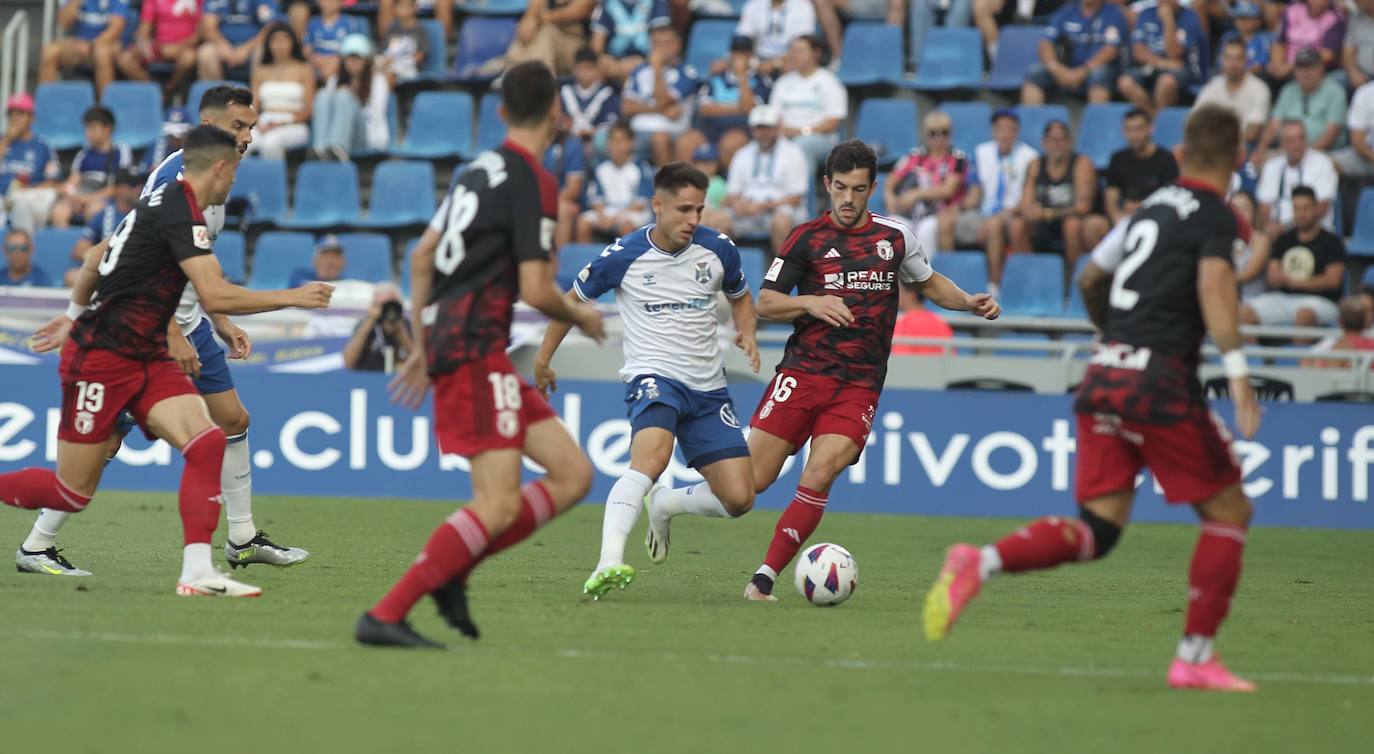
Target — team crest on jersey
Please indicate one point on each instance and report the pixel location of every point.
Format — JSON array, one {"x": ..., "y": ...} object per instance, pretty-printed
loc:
[
  {"x": 507, "y": 423},
  {"x": 704, "y": 273},
  {"x": 885, "y": 249},
  {"x": 84, "y": 422},
  {"x": 200, "y": 236},
  {"x": 727, "y": 415},
  {"x": 766, "y": 410}
]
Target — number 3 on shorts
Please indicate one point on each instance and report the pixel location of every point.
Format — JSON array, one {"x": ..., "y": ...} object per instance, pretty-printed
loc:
[{"x": 782, "y": 388}]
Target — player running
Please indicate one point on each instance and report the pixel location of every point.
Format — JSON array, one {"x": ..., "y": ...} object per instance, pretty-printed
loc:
[
  {"x": 191, "y": 343},
  {"x": 1140, "y": 404},
  {"x": 117, "y": 359},
  {"x": 667, "y": 277},
  {"x": 845, "y": 266},
  {"x": 488, "y": 244}
]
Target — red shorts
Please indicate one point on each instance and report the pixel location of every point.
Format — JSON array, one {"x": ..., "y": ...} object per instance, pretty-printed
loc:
[
  {"x": 798, "y": 406},
  {"x": 1191, "y": 459},
  {"x": 97, "y": 385},
  {"x": 485, "y": 405}
]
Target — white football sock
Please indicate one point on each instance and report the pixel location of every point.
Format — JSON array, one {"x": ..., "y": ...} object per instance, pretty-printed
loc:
[
  {"x": 769, "y": 572},
  {"x": 698, "y": 500},
  {"x": 1195, "y": 649},
  {"x": 990, "y": 564},
  {"x": 622, "y": 511},
  {"x": 236, "y": 483},
  {"x": 195, "y": 563},
  {"x": 45, "y": 528}
]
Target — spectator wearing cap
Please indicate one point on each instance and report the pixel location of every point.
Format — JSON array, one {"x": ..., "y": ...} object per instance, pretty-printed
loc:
[
  {"x": 767, "y": 182},
  {"x": 551, "y": 31},
  {"x": 725, "y": 100},
  {"x": 101, "y": 223},
  {"x": 350, "y": 112},
  {"x": 812, "y": 101},
  {"x": 1091, "y": 34},
  {"x": 1356, "y": 162},
  {"x": 566, "y": 161},
  {"x": 1357, "y": 53},
  {"x": 168, "y": 32},
  {"x": 93, "y": 36},
  {"x": 658, "y": 120},
  {"x": 590, "y": 104},
  {"x": 1239, "y": 89},
  {"x": 774, "y": 25},
  {"x": 1169, "y": 49},
  {"x": 828, "y": 13},
  {"x": 619, "y": 191},
  {"x": 1138, "y": 169},
  {"x": 1306, "y": 272},
  {"x": 927, "y": 186},
  {"x": 1310, "y": 98},
  {"x": 620, "y": 33},
  {"x": 326, "y": 266},
  {"x": 1308, "y": 25},
  {"x": 1057, "y": 200},
  {"x": 231, "y": 33},
  {"x": 284, "y": 92},
  {"x": 1258, "y": 41},
  {"x": 1296, "y": 165},
  {"x": 28, "y": 168},
  {"x": 405, "y": 46},
  {"x": 19, "y": 270},
  {"x": 90, "y": 180},
  {"x": 324, "y": 35},
  {"x": 996, "y": 178}
]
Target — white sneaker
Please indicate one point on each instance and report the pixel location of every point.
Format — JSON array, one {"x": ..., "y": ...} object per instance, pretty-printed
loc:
[
  {"x": 49, "y": 561},
  {"x": 216, "y": 585},
  {"x": 656, "y": 534}
]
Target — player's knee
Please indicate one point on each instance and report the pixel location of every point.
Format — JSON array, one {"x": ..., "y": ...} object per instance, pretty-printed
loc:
[
  {"x": 574, "y": 475},
  {"x": 1306, "y": 318},
  {"x": 236, "y": 423},
  {"x": 738, "y": 500},
  {"x": 1105, "y": 533},
  {"x": 52, "y": 52}
]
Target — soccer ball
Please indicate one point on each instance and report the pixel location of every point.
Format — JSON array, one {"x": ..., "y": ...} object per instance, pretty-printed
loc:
[{"x": 826, "y": 575}]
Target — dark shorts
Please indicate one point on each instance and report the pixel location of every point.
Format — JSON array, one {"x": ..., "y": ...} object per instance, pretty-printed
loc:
[
  {"x": 1104, "y": 76},
  {"x": 797, "y": 407},
  {"x": 704, "y": 422},
  {"x": 214, "y": 367},
  {"x": 1190, "y": 458},
  {"x": 1146, "y": 77},
  {"x": 98, "y": 386},
  {"x": 1048, "y": 237},
  {"x": 714, "y": 128},
  {"x": 485, "y": 405}
]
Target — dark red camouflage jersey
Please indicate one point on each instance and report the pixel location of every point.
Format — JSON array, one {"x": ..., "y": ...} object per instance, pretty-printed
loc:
[
  {"x": 1145, "y": 369},
  {"x": 862, "y": 266},
  {"x": 500, "y": 212},
  {"x": 140, "y": 275}
]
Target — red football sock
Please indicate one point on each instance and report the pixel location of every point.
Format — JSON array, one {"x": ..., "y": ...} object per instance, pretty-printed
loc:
[
  {"x": 452, "y": 548},
  {"x": 35, "y": 488},
  {"x": 795, "y": 526},
  {"x": 535, "y": 510},
  {"x": 198, "y": 498},
  {"x": 1213, "y": 576},
  {"x": 1045, "y": 543}
]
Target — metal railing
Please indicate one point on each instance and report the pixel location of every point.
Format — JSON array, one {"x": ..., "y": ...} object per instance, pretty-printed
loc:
[
  {"x": 14, "y": 59},
  {"x": 49, "y": 30}
]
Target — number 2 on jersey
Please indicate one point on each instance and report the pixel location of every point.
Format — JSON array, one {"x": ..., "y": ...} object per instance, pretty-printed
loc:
[
  {"x": 1140, "y": 244},
  {"x": 462, "y": 208}
]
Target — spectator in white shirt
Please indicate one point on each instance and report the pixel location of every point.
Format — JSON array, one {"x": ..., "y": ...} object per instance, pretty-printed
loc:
[
  {"x": 1237, "y": 88},
  {"x": 1357, "y": 160},
  {"x": 773, "y": 24},
  {"x": 1298, "y": 165},
  {"x": 619, "y": 192},
  {"x": 767, "y": 182},
  {"x": 813, "y": 102},
  {"x": 660, "y": 95},
  {"x": 997, "y": 175}
]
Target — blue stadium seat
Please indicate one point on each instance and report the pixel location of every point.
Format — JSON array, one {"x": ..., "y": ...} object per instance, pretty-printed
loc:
[
  {"x": 875, "y": 200},
  {"x": 137, "y": 107},
  {"x": 1018, "y": 48},
  {"x": 398, "y": 198},
  {"x": 1075, "y": 307},
  {"x": 276, "y": 255},
  {"x": 1033, "y": 285},
  {"x": 753, "y": 261},
  {"x": 479, "y": 41},
  {"x": 52, "y": 251},
  {"x": 572, "y": 258},
  {"x": 708, "y": 42},
  {"x": 491, "y": 7},
  {"x": 405, "y": 266},
  {"x": 436, "y": 62},
  {"x": 1034, "y": 118},
  {"x": 367, "y": 256},
  {"x": 57, "y": 111},
  {"x": 881, "y": 61},
  {"x": 1368, "y": 280},
  {"x": 440, "y": 126},
  {"x": 263, "y": 183},
  {"x": 232, "y": 259},
  {"x": 972, "y": 123},
  {"x": 1099, "y": 132},
  {"x": 887, "y": 125},
  {"x": 198, "y": 89},
  {"x": 1169, "y": 126},
  {"x": 968, "y": 269},
  {"x": 326, "y": 195},
  {"x": 490, "y": 130},
  {"x": 952, "y": 58},
  {"x": 1362, "y": 240}
]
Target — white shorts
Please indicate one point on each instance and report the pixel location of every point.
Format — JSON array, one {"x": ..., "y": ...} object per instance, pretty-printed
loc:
[
  {"x": 761, "y": 225},
  {"x": 1275, "y": 308}
]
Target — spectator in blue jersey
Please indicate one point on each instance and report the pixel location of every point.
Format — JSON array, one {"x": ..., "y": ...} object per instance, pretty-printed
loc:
[
  {"x": 725, "y": 100},
  {"x": 326, "y": 266},
  {"x": 28, "y": 168},
  {"x": 658, "y": 122},
  {"x": 325, "y": 34},
  {"x": 589, "y": 103},
  {"x": 619, "y": 192},
  {"x": 231, "y": 33},
  {"x": 620, "y": 33},
  {"x": 101, "y": 223},
  {"x": 1251, "y": 32},
  {"x": 566, "y": 161},
  {"x": 1080, "y": 54},
  {"x": 94, "y": 35},
  {"x": 1169, "y": 49},
  {"x": 19, "y": 269},
  {"x": 90, "y": 181}
]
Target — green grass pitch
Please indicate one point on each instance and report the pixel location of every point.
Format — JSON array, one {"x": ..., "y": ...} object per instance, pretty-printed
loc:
[{"x": 1067, "y": 661}]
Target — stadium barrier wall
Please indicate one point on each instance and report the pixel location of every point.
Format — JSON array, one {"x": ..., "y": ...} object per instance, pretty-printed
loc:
[{"x": 940, "y": 453}]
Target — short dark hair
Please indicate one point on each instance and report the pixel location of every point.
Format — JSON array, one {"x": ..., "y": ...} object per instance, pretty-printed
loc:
[
  {"x": 851, "y": 154},
  {"x": 1351, "y": 313},
  {"x": 203, "y": 145},
  {"x": 1211, "y": 137},
  {"x": 1305, "y": 192},
  {"x": 527, "y": 91},
  {"x": 1136, "y": 112},
  {"x": 1236, "y": 41},
  {"x": 98, "y": 114},
  {"x": 622, "y": 126},
  {"x": 585, "y": 55},
  {"x": 224, "y": 95},
  {"x": 678, "y": 175},
  {"x": 1054, "y": 123}
]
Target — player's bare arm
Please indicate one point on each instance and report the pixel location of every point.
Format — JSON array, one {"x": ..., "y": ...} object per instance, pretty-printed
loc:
[
  {"x": 1096, "y": 283},
  {"x": 944, "y": 293},
  {"x": 538, "y": 290},
  {"x": 240, "y": 345},
  {"x": 545, "y": 378},
  {"x": 781, "y": 307},
  {"x": 1216, "y": 289},
  {"x": 411, "y": 382},
  {"x": 219, "y": 296},
  {"x": 181, "y": 350},
  {"x": 746, "y": 321},
  {"x": 53, "y": 334}
]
